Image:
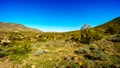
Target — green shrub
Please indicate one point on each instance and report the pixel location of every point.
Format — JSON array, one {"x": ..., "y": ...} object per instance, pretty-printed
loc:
[
  {"x": 112, "y": 30},
  {"x": 3, "y": 54},
  {"x": 100, "y": 55},
  {"x": 93, "y": 46},
  {"x": 114, "y": 38},
  {"x": 88, "y": 35},
  {"x": 20, "y": 49},
  {"x": 74, "y": 65},
  {"x": 96, "y": 55},
  {"x": 80, "y": 51}
]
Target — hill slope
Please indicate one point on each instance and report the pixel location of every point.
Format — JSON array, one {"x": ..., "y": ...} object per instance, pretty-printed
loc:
[
  {"x": 111, "y": 26},
  {"x": 114, "y": 24},
  {"x": 10, "y": 27}
]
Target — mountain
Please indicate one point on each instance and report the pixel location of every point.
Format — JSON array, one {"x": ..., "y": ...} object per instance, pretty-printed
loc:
[{"x": 10, "y": 27}]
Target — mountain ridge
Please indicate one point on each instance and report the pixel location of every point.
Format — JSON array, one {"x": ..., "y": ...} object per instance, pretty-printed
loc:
[
  {"x": 111, "y": 26},
  {"x": 12, "y": 27}
]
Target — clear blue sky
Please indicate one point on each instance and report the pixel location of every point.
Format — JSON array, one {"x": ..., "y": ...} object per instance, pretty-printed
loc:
[{"x": 58, "y": 15}]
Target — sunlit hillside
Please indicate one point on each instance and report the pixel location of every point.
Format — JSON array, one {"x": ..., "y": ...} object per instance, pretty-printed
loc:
[{"x": 96, "y": 47}]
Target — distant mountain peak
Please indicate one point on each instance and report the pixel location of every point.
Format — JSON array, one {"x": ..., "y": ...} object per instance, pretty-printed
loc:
[{"x": 11, "y": 27}]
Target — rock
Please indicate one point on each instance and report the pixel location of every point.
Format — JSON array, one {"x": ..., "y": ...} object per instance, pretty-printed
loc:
[
  {"x": 70, "y": 57},
  {"x": 33, "y": 66},
  {"x": 40, "y": 52}
]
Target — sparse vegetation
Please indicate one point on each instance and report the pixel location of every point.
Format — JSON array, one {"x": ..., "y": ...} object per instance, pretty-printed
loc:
[
  {"x": 87, "y": 48},
  {"x": 89, "y": 34}
]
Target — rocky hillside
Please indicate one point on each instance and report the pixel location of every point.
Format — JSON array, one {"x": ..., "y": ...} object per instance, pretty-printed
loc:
[{"x": 10, "y": 27}]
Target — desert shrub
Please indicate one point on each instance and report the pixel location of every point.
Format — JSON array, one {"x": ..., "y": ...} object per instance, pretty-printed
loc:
[
  {"x": 74, "y": 65},
  {"x": 115, "y": 61},
  {"x": 1, "y": 48},
  {"x": 27, "y": 47},
  {"x": 88, "y": 35},
  {"x": 15, "y": 37},
  {"x": 100, "y": 55},
  {"x": 28, "y": 66},
  {"x": 5, "y": 44},
  {"x": 96, "y": 55},
  {"x": 75, "y": 39},
  {"x": 118, "y": 35},
  {"x": 68, "y": 64},
  {"x": 117, "y": 38},
  {"x": 42, "y": 38},
  {"x": 90, "y": 57},
  {"x": 20, "y": 49},
  {"x": 3, "y": 54},
  {"x": 114, "y": 38},
  {"x": 80, "y": 51},
  {"x": 112, "y": 30},
  {"x": 93, "y": 48},
  {"x": 117, "y": 47},
  {"x": 63, "y": 63}
]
